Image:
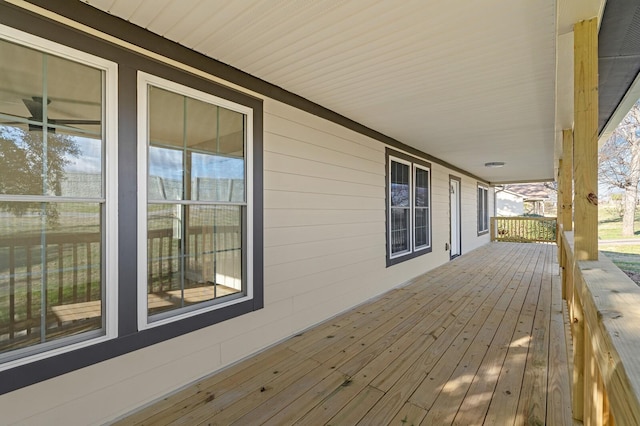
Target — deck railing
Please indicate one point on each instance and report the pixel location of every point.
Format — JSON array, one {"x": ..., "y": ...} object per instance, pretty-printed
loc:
[
  {"x": 524, "y": 229},
  {"x": 604, "y": 312},
  {"x": 72, "y": 273}
]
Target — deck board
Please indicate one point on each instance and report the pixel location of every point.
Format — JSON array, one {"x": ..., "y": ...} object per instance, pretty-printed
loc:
[{"x": 479, "y": 340}]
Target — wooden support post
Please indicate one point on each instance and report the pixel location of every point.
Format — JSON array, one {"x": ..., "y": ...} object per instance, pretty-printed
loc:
[
  {"x": 566, "y": 180},
  {"x": 585, "y": 139}
]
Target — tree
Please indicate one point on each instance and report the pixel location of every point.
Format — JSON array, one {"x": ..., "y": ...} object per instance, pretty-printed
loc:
[
  {"x": 619, "y": 160},
  {"x": 29, "y": 165}
]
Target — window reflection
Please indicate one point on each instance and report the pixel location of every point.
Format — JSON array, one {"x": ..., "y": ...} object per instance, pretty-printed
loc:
[
  {"x": 51, "y": 155},
  {"x": 196, "y": 169}
]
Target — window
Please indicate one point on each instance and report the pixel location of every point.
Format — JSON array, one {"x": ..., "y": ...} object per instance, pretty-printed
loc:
[
  {"x": 483, "y": 209},
  {"x": 57, "y": 203},
  {"x": 196, "y": 221},
  {"x": 408, "y": 208}
]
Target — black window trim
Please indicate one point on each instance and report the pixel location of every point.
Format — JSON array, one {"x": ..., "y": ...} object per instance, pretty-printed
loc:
[
  {"x": 128, "y": 337},
  {"x": 413, "y": 253}
]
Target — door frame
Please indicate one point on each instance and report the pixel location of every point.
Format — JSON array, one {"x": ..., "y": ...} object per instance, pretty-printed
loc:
[{"x": 453, "y": 178}]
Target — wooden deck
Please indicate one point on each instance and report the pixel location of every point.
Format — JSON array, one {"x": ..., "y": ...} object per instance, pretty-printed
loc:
[{"x": 480, "y": 340}]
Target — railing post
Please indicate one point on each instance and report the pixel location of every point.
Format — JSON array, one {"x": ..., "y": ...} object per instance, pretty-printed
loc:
[
  {"x": 493, "y": 228},
  {"x": 566, "y": 180},
  {"x": 577, "y": 331}
]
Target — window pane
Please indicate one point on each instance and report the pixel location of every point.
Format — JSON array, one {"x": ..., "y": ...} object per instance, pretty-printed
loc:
[
  {"x": 400, "y": 191},
  {"x": 422, "y": 227},
  {"x": 215, "y": 178},
  {"x": 69, "y": 154},
  {"x": 231, "y": 137},
  {"x": 213, "y": 266},
  {"x": 479, "y": 209},
  {"x": 166, "y": 117},
  {"x": 73, "y": 166},
  {"x": 483, "y": 209},
  {"x": 399, "y": 238},
  {"x": 74, "y": 96},
  {"x": 21, "y": 78},
  {"x": 82, "y": 166},
  {"x": 486, "y": 209},
  {"x": 422, "y": 188},
  {"x": 202, "y": 126},
  {"x": 164, "y": 260},
  {"x": 194, "y": 254},
  {"x": 165, "y": 174},
  {"x": 50, "y": 271}
]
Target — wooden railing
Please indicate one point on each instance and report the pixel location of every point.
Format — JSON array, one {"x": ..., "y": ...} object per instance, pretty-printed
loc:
[
  {"x": 604, "y": 312},
  {"x": 524, "y": 229},
  {"x": 72, "y": 269}
]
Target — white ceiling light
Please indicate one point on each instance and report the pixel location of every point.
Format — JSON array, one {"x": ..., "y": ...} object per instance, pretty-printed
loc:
[{"x": 494, "y": 164}]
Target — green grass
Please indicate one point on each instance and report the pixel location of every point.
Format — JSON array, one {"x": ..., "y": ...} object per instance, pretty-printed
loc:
[
  {"x": 626, "y": 257},
  {"x": 610, "y": 225}
]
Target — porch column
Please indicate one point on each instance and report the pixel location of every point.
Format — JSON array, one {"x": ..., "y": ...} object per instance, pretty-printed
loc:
[
  {"x": 585, "y": 185},
  {"x": 585, "y": 159}
]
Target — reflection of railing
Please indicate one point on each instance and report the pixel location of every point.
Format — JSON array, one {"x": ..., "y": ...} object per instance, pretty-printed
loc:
[
  {"x": 604, "y": 316},
  {"x": 523, "y": 229},
  {"x": 202, "y": 244},
  {"x": 73, "y": 277}
]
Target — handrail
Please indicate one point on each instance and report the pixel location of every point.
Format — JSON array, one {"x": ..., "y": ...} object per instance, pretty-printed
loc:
[
  {"x": 524, "y": 229},
  {"x": 604, "y": 311}
]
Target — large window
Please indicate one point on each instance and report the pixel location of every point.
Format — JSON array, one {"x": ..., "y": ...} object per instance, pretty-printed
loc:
[
  {"x": 196, "y": 220},
  {"x": 57, "y": 210},
  {"x": 408, "y": 207},
  {"x": 483, "y": 209}
]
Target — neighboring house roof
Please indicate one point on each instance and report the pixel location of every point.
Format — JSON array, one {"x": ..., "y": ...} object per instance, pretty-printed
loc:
[
  {"x": 532, "y": 191},
  {"x": 506, "y": 191}
]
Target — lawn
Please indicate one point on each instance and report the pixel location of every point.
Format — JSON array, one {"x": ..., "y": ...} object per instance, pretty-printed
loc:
[
  {"x": 625, "y": 256},
  {"x": 610, "y": 225}
]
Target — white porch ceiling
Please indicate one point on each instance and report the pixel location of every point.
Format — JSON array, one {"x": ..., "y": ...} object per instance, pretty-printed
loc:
[{"x": 466, "y": 81}]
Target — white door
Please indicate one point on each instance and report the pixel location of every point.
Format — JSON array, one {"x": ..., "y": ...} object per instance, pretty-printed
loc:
[{"x": 454, "y": 208}]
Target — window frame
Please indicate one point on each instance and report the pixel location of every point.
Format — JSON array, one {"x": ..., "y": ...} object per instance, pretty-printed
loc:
[
  {"x": 144, "y": 81},
  {"x": 416, "y": 167},
  {"x": 109, "y": 229},
  {"x": 483, "y": 209},
  {"x": 414, "y": 164}
]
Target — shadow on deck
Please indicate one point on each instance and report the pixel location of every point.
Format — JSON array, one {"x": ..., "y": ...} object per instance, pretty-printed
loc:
[{"x": 480, "y": 340}]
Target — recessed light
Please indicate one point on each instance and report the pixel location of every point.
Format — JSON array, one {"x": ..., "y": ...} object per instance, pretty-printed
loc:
[{"x": 494, "y": 164}]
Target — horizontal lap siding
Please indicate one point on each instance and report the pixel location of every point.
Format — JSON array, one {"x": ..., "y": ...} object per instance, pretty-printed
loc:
[
  {"x": 324, "y": 214},
  {"x": 324, "y": 252}
]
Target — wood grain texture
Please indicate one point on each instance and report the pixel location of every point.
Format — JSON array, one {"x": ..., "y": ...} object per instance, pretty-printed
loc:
[
  {"x": 566, "y": 180},
  {"x": 585, "y": 164},
  {"x": 471, "y": 342}
]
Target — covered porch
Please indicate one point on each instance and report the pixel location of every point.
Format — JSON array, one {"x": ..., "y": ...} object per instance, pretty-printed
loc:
[{"x": 479, "y": 340}]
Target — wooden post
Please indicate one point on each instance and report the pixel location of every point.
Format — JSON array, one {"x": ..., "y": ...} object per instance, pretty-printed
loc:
[
  {"x": 493, "y": 228},
  {"x": 585, "y": 139},
  {"x": 566, "y": 180},
  {"x": 577, "y": 332}
]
